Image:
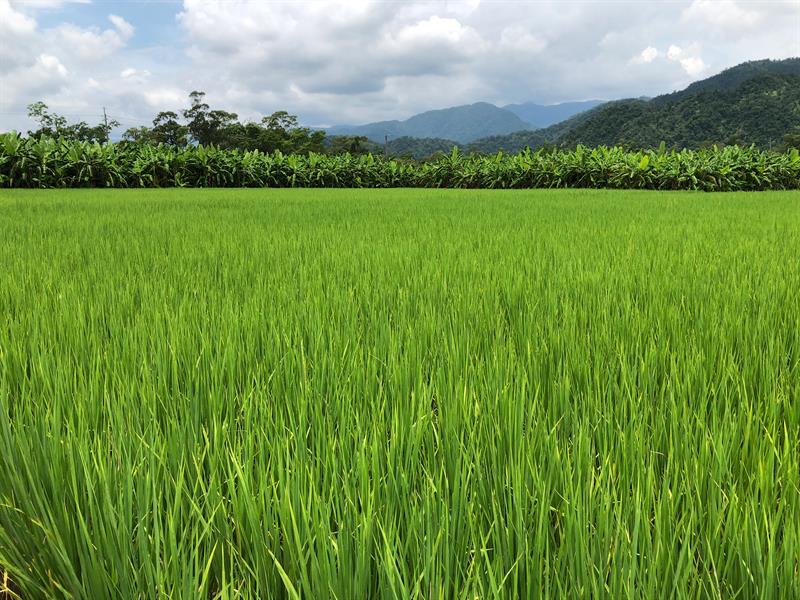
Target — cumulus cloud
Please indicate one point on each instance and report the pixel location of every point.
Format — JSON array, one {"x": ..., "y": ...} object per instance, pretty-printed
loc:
[
  {"x": 14, "y": 22},
  {"x": 93, "y": 44},
  {"x": 520, "y": 39},
  {"x": 674, "y": 52},
  {"x": 360, "y": 60},
  {"x": 647, "y": 55},
  {"x": 724, "y": 14},
  {"x": 51, "y": 65},
  {"x": 67, "y": 65},
  {"x": 141, "y": 75},
  {"x": 124, "y": 28},
  {"x": 688, "y": 59},
  {"x": 693, "y": 65}
]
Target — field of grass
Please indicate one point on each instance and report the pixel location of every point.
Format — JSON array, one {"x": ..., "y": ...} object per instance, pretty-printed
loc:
[{"x": 399, "y": 394}]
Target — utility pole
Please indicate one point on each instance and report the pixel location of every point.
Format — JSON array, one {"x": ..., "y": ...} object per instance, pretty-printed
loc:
[
  {"x": 385, "y": 145},
  {"x": 105, "y": 123}
]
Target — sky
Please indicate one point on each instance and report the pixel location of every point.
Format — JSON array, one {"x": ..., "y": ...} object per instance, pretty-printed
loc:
[{"x": 356, "y": 61}]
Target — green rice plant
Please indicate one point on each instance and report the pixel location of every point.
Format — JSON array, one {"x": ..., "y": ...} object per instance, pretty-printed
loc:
[{"x": 400, "y": 393}]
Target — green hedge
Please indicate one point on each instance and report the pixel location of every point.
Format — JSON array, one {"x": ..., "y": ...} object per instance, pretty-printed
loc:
[{"x": 53, "y": 163}]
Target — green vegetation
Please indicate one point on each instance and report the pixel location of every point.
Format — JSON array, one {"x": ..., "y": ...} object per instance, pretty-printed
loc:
[
  {"x": 197, "y": 125},
  {"x": 760, "y": 111},
  {"x": 53, "y": 125},
  {"x": 731, "y": 79},
  {"x": 399, "y": 394},
  {"x": 420, "y": 148},
  {"x": 278, "y": 132},
  {"x": 351, "y": 144},
  {"x": 46, "y": 163},
  {"x": 755, "y": 103},
  {"x": 752, "y": 103},
  {"x": 511, "y": 143}
]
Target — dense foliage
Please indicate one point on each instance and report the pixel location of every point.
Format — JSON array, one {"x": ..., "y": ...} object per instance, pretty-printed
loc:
[
  {"x": 278, "y": 132},
  {"x": 198, "y": 124},
  {"x": 511, "y": 143},
  {"x": 732, "y": 78},
  {"x": 420, "y": 148},
  {"x": 394, "y": 394},
  {"x": 761, "y": 111},
  {"x": 51, "y": 124},
  {"x": 44, "y": 163},
  {"x": 752, "y": 103}
]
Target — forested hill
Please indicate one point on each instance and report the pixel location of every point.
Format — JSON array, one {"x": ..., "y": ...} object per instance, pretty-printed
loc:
[
  {"x": 730, "y": 79},
  {"x": 761, "y": 111},
  {"x": 752, "y": 103}
]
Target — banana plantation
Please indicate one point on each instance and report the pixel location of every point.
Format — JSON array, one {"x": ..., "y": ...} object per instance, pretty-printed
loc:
[{"x": 58, "y": 163}]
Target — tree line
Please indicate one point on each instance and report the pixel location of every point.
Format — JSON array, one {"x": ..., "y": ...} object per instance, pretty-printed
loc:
[
  {"x": 761, "y": 111},
  {"x": 199, "y": 124}
]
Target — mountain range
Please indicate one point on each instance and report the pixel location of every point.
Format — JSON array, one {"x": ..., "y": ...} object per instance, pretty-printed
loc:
[
  {"x": 756, "y": 102},
  {"x": 461, "y": 124},
  {"x": 464, "y": 124}
]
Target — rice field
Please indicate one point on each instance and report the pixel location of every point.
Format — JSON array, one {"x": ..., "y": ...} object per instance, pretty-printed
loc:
[{"x": 399, "y": 394}]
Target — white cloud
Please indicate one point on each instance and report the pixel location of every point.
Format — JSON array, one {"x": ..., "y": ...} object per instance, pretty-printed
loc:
[
  {"x": 433, "y": 31},
  {"x": 688, "y": 59},
  {"x": 361, "y": 60},
  {"x": 520, "y": 39},
  {"x": 51, "y": 65},
  {"x": 646, "y": 56},
  {"x": 431, "y": 45},
  {"x": 164, "y": 97},
  {"x": 723, "y": 14},
  {"x": 462, "y": 8},
  {"x": 131, "y": 73},
  {"x": 373, "y": 60},
  {"x": 88, "y": 45},
  {"x": 124, "y": 28},
  {"x": 693, "y": 65},
  {"x": 13, "y": 21},
  {"x": 66, "y": 65},
  {"x": 674, "y": 52}
]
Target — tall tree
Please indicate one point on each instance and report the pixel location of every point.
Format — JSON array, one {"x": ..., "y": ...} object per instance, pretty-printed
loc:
[
  {"x": 49, "y": 124},
  {"x": 55, "y": 125},
  {"x": 197, "y": 117},
  {"x": 207, "y": 126},
  {"x": 167, "y": 130}
]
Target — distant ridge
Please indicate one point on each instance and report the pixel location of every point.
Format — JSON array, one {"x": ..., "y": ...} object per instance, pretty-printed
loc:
[
  {"x": 459, "y": 123},
  {"x": 544, "y": 115}
]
